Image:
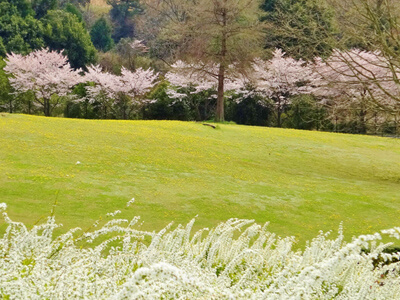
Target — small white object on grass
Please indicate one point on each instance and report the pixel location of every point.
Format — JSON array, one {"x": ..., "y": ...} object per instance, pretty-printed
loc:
[
  {"x": 113, "y": 214},
  {"x": 130, "y": 202},
  {"x": 78, "y": 162}
]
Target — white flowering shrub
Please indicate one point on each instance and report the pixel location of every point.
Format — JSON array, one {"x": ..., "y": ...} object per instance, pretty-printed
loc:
[{"x": 236, "y": 260}]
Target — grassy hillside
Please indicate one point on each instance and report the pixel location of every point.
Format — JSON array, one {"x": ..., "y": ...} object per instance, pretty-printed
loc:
[{"x": 299, "y": 181}]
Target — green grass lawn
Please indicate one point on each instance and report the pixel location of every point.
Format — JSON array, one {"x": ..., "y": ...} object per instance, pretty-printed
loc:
[{"x": 300, "y": 181}]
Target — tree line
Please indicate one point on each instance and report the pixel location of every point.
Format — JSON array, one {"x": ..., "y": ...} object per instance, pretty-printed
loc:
[{"x": 324, "y": 65}]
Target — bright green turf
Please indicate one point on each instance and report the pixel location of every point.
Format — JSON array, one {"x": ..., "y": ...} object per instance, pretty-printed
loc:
[{"x": 300, "y": 181}]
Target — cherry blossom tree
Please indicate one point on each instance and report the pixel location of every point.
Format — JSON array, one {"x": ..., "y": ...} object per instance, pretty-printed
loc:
[
  {"x": 47, "y": 74},
  {"x": 276, "y": 80},
  {"x": 196, "y": 76},
  {"x": 130, "y": 50},
  {"x": 281, "y": 77},
  {"x": 361, "y": 83},
  {"x": 194, "y": 83},
  {"x": 100, "y": 87},
  {"x": 119, "y": 93},
  {"x": 357, "y": 73}
]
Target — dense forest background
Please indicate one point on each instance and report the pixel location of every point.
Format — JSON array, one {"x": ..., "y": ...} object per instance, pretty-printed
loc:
[{"x": 132, "y": 34}]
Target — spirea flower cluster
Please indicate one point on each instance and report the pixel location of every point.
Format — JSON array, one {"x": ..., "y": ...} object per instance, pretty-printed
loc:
[{"x": 236, "y": 260}]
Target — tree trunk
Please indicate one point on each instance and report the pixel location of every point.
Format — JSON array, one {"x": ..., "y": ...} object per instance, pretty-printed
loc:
[
  {"x": 86, "y": 110},
  {"x": 11, "y": 108},
  {"x": 279, "y": 113},
  {"x": 123, "y": 112},
  {"x": 363, "y": 126},
  {"x": 220, "y": 114},
  {"x": 46, "y": 107},
  {"x": 336, "y": 122},
  {"x": 279, "y": 118},
  {"x": 362, "y": 117},
  {"x": 206, "y": 103},
  {"x": 197, "y": 110}
]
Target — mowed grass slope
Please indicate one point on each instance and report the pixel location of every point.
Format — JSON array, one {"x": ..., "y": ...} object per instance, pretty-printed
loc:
[{"x": 300, "y": 181}]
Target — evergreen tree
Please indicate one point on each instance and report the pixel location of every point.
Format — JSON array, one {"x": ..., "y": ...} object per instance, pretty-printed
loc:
[
  {"x": 41, "y": 7},
  {"x": 122, "y": 14},
  {"x": 101, "y": 35},
  {"x": 3, "y": 50},
  {"x": 23, "y": 7},
  {"x": 73, "y": 9},
  {"x": 64, "y": 31},
  {"x": 302, "y": 28},
  {"x": 19, "y": 30},
  {"x": 6, "y": 98}
]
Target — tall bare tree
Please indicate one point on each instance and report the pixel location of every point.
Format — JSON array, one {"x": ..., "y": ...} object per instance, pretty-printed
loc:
[
  {"x": 221, "y": 35},
  {"x": 372, "y": 25}
]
